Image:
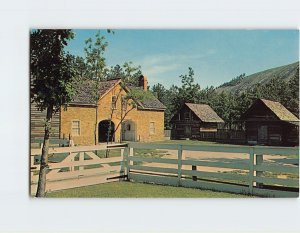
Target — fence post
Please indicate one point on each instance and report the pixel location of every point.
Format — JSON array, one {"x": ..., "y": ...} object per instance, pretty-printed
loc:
[
  {"x": 81, "y": 159},
  {"x": 122, "y": 169},
  {"x": 259, "y": 161},
  {"x": 251, "y": 169},
  {"x": 179, "y": 164},
  {"x": 71, "y": 160},
  {"x": 194, "y": 168},
  {"x": 131, "y": 154},
  {"x": 126, "y": 163}
]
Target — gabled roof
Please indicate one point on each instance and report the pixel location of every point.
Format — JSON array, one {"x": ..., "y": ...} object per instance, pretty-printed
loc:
[
  {"x": 277, "y": 109},
  {"x": 205, "y": 113},
  {"x": 151, "y": 102},
  {"x": 85, "y": 89}
]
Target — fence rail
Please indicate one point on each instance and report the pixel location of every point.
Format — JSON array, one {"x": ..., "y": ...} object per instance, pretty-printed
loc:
[
  {"x": 187, "y": 172},
  {"x": 79, "y": 166}
]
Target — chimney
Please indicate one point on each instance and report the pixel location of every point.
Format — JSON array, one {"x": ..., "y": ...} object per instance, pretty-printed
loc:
[{"x": 143, "y": 82}]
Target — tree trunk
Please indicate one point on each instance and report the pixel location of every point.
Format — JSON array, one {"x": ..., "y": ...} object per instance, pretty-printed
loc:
[{"x": 44, "y": 158}]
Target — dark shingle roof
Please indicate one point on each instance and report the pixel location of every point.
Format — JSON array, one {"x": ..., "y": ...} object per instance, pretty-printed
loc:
[
  {"x": 205, "y": 113},
  {"x": 85, "y": 89},
  {"x": 149, "y": 101},
  {"x": 105, "y": 86},
  {"x": 152, "y": 103}
]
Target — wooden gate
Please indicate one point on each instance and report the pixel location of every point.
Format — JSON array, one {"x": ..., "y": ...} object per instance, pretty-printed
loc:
[{"x": 71, "y": 167}]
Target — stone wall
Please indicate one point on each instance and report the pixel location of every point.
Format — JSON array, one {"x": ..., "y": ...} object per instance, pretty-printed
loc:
[{"x": 87, "y": 117}]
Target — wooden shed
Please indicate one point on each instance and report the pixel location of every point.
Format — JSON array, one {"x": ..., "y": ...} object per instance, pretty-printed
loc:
[
  {"x": 198, "y": 121},
  {"x": 270, "y": 123}
]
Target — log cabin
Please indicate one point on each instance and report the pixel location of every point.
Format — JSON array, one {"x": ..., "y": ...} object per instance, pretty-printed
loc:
[
  {"x": 195, "y": 121},
  {"x": 270, "y": 123}
]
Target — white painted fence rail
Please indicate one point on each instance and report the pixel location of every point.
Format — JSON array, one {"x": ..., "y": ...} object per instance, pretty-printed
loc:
[
  {"x": 73, "y": 170},
  {"x": 252, "y": 180}
]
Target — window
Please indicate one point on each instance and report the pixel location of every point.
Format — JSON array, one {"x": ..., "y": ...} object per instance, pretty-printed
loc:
[
  {"x": 76, "y": 128},
  {"x": 124, "y": 103},
  {"x": 152, "y": 127},
  {"x": 114, "y": 102}
]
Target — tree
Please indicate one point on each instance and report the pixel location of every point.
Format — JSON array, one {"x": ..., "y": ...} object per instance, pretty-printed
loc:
[
  {"x": 293, "y": 94},
  {"x": 95, "y": 60},
  {"x": 188, "y": 92},
  {"x": 128, "y": 72},
  {"x": 95, "y": 68},
  {"x": 159, "y": 92},
  {"x": 133, "y": 96},
  {"x": 51, "y": 86}
]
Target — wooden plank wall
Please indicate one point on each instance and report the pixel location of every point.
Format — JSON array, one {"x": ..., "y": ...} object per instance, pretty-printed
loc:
[{"x": 37, "y": 121}]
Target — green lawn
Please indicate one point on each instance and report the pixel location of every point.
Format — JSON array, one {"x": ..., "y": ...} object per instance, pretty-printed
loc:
[{"x": 139, "y": 190}]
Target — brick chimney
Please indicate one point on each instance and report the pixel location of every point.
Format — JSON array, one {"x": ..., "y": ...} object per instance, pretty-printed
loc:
[{"x": 143, "y": 82}]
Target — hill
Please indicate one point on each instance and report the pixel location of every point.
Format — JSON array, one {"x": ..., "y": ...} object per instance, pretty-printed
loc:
[{"x": 242, "y": 82}]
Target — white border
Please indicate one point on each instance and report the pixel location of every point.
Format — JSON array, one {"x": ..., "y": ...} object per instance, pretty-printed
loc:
[{"x": 19, "y": 213}]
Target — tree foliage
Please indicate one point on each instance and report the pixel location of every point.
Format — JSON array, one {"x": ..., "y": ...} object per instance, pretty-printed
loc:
[
  {"x": 52, "y": 75},
  {"x": 51, "y": 68},
  {"x": 229, "y": 106}
]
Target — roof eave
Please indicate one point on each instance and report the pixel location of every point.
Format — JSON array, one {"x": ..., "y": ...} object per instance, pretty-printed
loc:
[{"x": 82, "y": 104}]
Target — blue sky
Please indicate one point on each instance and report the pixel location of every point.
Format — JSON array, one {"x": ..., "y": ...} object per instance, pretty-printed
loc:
[{"x": 216, "y": 56}]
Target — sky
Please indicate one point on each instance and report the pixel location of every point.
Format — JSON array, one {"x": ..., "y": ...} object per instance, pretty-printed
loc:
[{"x": 216, "y": 56}]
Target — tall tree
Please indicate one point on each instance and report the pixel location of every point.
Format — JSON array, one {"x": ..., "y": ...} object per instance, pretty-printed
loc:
[
  {"x": 51, "y": 86},
  {"x": 95, "y": 68},
  {"x": 128, "y": 72},
  {"x": 188, "y": 92},
  {"x": 95, "y": 61}
]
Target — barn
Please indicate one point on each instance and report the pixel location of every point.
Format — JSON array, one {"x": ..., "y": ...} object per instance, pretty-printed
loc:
[
  {"x": 270, "y": 123},
  {"x": 195, "y": 121}
]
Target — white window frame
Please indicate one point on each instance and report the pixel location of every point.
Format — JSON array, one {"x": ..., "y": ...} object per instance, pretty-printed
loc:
[{"x": 75, "y": 128}]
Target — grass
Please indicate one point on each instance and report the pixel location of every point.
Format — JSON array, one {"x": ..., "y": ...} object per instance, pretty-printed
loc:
[{"x": 139, "y": 190}]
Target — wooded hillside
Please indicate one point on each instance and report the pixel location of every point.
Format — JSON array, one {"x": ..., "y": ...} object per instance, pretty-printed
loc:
[{"x": 242, "y": 82}]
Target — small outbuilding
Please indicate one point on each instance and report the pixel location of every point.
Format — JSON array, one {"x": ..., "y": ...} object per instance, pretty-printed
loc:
[
  {"x": 270, "y": 123},
  {"x": 195, "y": 121}
]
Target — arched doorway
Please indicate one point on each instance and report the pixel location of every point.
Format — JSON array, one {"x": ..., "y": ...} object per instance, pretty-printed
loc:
[
  {"x": 104, "y": 132},
  {"x": 128, "y": 131}
]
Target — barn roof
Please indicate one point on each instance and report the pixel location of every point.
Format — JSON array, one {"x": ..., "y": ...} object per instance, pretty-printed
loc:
[
  {"x": 279, "y": 110},
  {"x": 84, "y": 90},
  {"x": 205, "y": 113},
  {"x": 276, "y": 108}
]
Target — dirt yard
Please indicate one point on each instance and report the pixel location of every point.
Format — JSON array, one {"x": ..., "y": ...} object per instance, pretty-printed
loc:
[{"x": 213, "y": 157}]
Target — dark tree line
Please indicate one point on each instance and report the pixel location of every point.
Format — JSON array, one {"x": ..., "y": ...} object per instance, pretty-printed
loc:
[{"x": 229, "y": 106}]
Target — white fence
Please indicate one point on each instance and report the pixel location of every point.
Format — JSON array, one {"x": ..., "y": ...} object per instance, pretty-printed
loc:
[
  {"x": 187, "y": 172},
  {"x": 253, "y": 174},
  {"x": 79, "y": 166}
]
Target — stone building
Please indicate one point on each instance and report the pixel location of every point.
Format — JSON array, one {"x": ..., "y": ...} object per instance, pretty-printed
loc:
[{"x": 112, "y": 116}]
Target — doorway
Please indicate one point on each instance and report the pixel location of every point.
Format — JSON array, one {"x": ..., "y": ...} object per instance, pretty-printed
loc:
[{"x": 106, "y": 131}]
